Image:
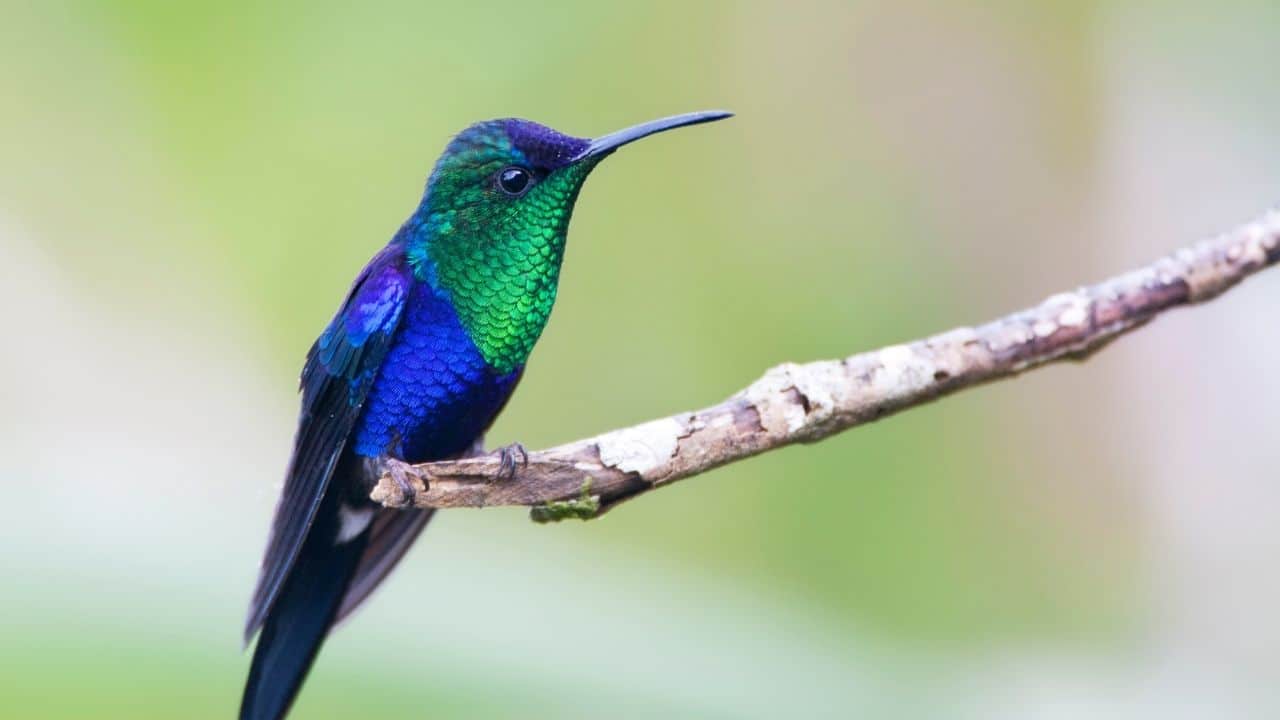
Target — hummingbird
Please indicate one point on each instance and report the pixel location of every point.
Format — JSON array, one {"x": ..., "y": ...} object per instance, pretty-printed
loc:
[{"x": 416, "y": 364}]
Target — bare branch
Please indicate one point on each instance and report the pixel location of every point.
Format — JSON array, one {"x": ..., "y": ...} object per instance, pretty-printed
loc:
[{"x": 805, "y": 403}]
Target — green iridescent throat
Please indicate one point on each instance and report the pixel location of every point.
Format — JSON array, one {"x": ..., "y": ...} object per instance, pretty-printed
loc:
[{"x": 497, "y": 257}]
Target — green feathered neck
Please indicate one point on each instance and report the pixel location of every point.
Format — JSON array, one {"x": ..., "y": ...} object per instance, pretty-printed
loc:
[{"x": 496, "y": 258}]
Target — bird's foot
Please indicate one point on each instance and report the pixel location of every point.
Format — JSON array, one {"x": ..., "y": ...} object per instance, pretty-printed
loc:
[
  {"x": 507, "y": 460},
  {"x": 403, "y": 475}
]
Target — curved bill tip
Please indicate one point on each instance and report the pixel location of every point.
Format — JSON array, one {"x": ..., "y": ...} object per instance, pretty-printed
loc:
[{"x": 608, "y": 143}]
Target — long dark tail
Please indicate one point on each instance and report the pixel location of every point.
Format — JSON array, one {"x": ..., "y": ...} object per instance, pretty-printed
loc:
[{"x": 300, "y": 618}]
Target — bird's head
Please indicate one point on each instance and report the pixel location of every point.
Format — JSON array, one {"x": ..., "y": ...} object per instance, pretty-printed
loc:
[{"x": 491, "y": 228}]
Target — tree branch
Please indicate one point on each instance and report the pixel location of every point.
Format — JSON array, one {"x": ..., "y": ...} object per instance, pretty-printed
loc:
[{"x": 805, "y": 403}]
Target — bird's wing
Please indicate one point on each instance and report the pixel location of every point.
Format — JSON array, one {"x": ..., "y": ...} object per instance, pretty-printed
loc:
[
  {"x": 390, "y": 535},
  {"x": 339, "y": 371}
]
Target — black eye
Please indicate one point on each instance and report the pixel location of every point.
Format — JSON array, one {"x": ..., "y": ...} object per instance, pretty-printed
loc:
[{"x": 514, "y": 180}]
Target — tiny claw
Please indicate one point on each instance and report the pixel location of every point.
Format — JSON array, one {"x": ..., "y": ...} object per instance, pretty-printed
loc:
[
  {"x": 400, "y": 473},
  {"x": 507, "y": 460}
]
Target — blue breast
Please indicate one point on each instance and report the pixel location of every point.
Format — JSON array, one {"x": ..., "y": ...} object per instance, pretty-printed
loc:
[{"x": 434, "y": 394}]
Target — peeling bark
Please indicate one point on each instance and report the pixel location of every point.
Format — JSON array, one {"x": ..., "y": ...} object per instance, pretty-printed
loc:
[{"x": 801, "y": 403}]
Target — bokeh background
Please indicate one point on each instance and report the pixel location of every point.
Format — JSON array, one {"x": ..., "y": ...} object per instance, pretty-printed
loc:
[{"x": 186, "y": 191}]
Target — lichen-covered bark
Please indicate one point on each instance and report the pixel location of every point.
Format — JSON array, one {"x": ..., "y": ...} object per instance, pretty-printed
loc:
[{"x": 795, "y": 403}]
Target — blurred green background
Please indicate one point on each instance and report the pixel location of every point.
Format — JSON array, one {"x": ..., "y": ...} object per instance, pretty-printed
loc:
[{"x": 187, "y": 189}]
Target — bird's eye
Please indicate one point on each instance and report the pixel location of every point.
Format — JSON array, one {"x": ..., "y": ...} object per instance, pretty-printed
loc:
[{"x": 514, "y": 181}]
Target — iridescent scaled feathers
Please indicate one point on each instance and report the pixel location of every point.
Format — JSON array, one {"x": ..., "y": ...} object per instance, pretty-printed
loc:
[{"x": 495, "y": 256}]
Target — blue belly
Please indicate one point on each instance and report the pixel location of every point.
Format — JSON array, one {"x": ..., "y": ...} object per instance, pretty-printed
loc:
[{"x": 434, "y": 395}]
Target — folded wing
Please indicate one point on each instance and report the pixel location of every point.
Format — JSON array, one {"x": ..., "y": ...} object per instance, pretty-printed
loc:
[{"x": 339, "y": 371}]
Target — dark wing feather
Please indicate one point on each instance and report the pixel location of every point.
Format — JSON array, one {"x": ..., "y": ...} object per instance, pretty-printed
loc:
[
  {"x": 390, "y": 535},
  {"x": 339, "y": 370}
]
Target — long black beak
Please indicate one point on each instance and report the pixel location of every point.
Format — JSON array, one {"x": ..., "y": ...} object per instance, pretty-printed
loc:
[{"x": 608, "y": 143}]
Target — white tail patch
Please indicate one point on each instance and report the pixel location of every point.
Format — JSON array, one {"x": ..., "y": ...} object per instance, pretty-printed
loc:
[{"x": 353, "y": 522}]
